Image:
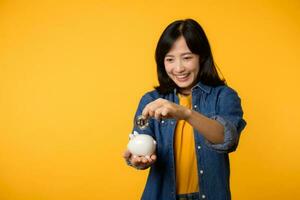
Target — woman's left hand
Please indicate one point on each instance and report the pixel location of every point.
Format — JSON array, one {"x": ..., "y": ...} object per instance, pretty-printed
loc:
[{"x": 162, "y": 108}]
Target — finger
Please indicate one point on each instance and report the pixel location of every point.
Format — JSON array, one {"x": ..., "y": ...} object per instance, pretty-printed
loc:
[
  {"x": 165, "y": 108},
  {"x": 153, "y": 157},
  {"x": 144, "y": 160},
  {"x": 150, "y": 108},
  {"x": 138, "y": 159},
  {"x": 145, "y": 112},
  {"x": 135, "y": 160},
  {"x": 165, "y": 111},
  {"x": 126, "y": 154},
  {"x": 148, "y": 112},
  {"x": 148, "y": 158},
  {"x": 157, "y": 114},
  {"x": 147, "y": 109}
]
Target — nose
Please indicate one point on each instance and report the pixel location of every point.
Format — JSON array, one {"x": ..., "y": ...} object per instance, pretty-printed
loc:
[{"x": 179, "y": 66}]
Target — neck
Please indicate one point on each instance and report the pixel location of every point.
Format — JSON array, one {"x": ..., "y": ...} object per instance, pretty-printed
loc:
[{"x": 185, "y": 93}]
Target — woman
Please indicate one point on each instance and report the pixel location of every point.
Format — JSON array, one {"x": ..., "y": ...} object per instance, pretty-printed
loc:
[{"x": 195, "y": 118}]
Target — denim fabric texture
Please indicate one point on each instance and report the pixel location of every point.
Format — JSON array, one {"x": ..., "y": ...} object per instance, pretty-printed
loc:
[
  {"x": 190, "y": 196},
  {"x": 220, "y": 103}
]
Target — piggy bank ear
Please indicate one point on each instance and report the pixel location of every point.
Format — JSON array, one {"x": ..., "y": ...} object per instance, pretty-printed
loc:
[
  {"x": 135, "y": 133},
  {"x": 131, "y": 136}
]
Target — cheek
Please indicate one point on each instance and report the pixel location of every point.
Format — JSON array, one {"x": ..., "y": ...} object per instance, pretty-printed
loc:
[
  {"x": 168, "y": 68},
  {"x": 194, "y": 67}
]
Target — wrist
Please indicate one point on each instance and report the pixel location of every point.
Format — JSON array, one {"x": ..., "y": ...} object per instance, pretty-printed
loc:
[{"x": 187, "y": 114}]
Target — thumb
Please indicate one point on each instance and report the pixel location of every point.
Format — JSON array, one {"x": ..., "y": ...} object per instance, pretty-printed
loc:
[{"x": 126, "y": 154}]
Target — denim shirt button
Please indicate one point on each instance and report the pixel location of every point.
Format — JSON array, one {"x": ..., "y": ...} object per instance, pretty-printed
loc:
[
  {"x": 203, "y": 196},
  {"x": 172, "y": 122},
  {"x": 199, "y": 147},
  {"x": 201, "y": 172},
  {"x": 195, "y": 106}
]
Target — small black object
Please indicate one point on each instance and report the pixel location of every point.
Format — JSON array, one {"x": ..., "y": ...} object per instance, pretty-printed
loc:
[{"x": 141, "y": 122}]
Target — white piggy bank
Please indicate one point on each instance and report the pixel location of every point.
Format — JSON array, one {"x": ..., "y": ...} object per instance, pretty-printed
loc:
[{"x": 141, "y": 144}]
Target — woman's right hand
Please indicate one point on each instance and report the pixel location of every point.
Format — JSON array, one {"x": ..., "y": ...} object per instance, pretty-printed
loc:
[{"x": 139, "y": 162}]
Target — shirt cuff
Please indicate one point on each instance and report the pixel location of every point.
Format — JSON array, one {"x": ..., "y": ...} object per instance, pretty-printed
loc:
[{"x": 231, "y": 136}]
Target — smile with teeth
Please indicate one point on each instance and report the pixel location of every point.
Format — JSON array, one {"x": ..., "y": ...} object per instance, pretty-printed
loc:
[{"x": 182, "y": 77}]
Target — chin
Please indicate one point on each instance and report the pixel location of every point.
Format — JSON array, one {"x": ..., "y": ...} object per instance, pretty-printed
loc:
[{"x": 183, "y": 85}]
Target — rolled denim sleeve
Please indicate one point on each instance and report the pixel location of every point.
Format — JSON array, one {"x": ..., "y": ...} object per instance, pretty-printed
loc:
[{"x": 229, "y": 113}]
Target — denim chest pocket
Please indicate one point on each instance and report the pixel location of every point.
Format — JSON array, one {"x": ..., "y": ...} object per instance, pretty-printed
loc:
[{"x": 207, "y": 111}]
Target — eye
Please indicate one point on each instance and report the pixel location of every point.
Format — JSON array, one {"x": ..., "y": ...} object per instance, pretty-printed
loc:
[
  {"x": 169, "y": 59},
  {"x": 187, "y": 58}
]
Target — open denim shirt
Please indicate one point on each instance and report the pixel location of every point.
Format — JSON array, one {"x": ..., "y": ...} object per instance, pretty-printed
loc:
[{"x": 220, "y": 103}]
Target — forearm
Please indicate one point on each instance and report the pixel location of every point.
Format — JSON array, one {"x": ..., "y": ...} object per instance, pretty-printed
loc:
[{"x": 211, "y": 129}]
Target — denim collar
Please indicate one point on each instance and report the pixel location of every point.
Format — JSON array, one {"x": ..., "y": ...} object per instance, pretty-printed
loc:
[
  {"x": 199, "y": 85},
  {"x": 203, "y": 87}
]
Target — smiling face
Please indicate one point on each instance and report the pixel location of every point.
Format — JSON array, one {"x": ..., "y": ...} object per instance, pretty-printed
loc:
[{"x": 182, "y": 66}]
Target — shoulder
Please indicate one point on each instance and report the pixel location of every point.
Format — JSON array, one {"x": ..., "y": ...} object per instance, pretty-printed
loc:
[
  {"x": 222, "y": 93},
  {"x": 224, "y": 90},
  {"x": 152, "y": 95},
  {"x": 149, "y": 97},
  {"x": 217, "y": 91},
  {"x": 227, "y": 97}
]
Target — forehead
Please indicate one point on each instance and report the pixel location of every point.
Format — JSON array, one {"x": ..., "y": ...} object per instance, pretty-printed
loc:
[{"x": 179, "y": 47}]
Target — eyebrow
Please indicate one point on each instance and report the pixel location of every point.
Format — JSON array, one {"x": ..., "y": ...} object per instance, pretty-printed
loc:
[{"x": 183, "y": 54}]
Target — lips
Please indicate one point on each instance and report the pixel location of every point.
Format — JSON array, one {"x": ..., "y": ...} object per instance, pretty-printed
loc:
[{"x": 182, "y": 77}]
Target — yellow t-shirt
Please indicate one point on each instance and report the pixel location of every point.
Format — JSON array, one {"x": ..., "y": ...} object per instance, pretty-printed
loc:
[{"x": 184, "y": 152}]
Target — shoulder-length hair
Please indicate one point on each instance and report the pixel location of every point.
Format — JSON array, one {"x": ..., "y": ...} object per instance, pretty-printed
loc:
[{"x": 197, "y": 42}]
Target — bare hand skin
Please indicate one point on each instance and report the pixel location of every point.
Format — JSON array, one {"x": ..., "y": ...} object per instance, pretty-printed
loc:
[
  {"x": 211, "y": 129},
  {"x": 141, "y": 162},
  {"x": 162, "y": 108}
]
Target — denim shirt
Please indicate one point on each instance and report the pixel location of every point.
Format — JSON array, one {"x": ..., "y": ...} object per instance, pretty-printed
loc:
[{"x": 220, "y": 103}]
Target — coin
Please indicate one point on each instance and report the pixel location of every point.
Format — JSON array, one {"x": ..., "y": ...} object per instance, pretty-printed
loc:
[{"x": 141, "y": 122}]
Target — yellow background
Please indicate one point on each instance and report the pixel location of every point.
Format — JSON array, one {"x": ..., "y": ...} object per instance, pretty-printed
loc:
[{"x": 72, "y": 74}]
